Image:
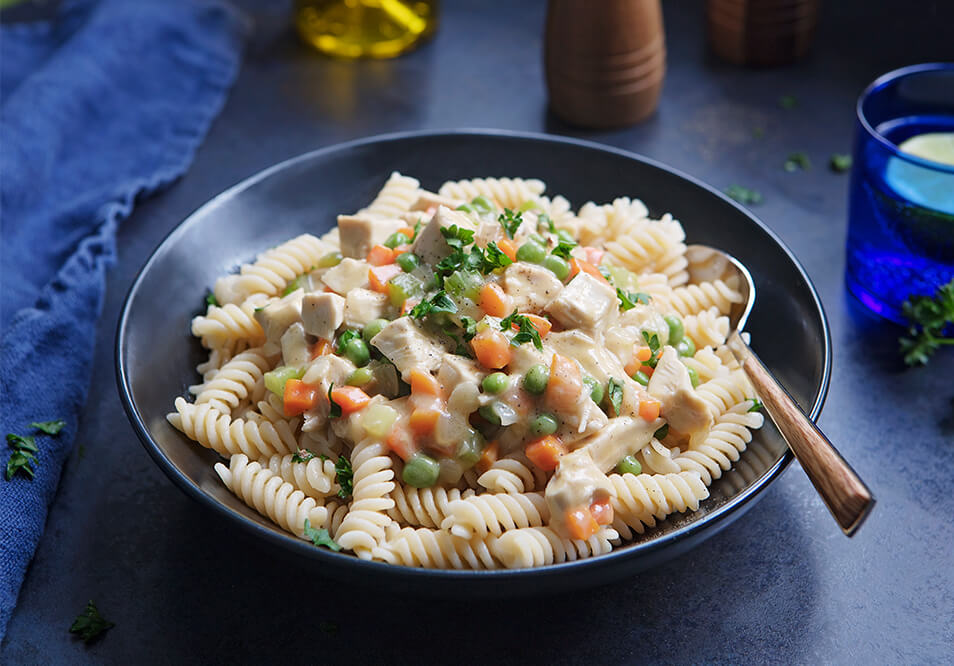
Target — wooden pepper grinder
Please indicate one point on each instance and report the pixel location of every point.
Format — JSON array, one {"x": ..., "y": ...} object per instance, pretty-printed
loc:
[
  {"x": 761, "y": 33},
  {"x": 605, "y": 61}
]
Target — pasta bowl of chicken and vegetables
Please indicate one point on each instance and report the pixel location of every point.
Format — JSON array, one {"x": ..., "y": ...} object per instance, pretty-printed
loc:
[{"x": 465, "y": 371}]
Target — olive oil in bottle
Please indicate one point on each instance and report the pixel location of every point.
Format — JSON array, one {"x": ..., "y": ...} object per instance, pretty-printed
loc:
[{"x": 365, "y": 28}]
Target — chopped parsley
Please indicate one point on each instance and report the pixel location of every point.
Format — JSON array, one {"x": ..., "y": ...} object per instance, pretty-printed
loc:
[
  {"x": 89, "y": 624},
  {"x": 439, "y": 302},
  {"x": 292, "y": 286},
  {"x": 653, "y": 342},
  {"x": 662, "y": 432},
  {"x": 526, "y": 332},
  {"x": 929, "y": 317},
  {"x": 210, "y": 299},
  {"x": 615, "y": 394},
  {"x": 797, "y": 161},
  {"x": 756, "y": 405},
  {"x": 758, "y": 132},
  {"x": 628, "y": 300},
  {"x": 494, "y": 258},
  {"x": 839, "y": 162},
  {"x": 545, "y": 220},
  {"x": 303, "y": 456},
  {"x": 23, "y": 457},
  {"x": 469, "y": 325},
  {"x": 457, "y": 237},
  {"x": 788, "y": 102},
  {"x": 49, "y": 427},
  {"x": 563, "y": 248},
  {"x": 334, "y": 410},
  {"x": 345, "y": 477},
  {"x": 345, "y": 338},
  {"x": 320, "y": 537},
  {"x": 510, "y": 221},
  {"x": 744, "y": 195}
]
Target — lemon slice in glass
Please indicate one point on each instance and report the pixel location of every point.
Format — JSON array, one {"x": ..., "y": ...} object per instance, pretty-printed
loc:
[{"x": 934, "y": 146}]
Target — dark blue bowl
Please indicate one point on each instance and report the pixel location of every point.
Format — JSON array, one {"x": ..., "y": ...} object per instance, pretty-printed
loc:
[{"x": 156, "y": 355}]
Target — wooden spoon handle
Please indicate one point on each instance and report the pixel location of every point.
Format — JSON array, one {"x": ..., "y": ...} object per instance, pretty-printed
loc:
[{"x": 845, "y": 495}]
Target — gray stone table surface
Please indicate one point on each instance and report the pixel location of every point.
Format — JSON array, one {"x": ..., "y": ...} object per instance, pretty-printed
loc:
[{"x": 780, "y": 585}]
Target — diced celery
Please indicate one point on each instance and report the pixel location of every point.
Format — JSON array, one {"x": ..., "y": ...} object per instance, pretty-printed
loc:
[
  {"x": 622, "y": 278},
  {"x": 402, "y": 287},
  {"x": 378, "y": 419},
  {"x": 463, "y": 283},
  {"x": 275, "y": 379},
  {"x": 483, "y": 205},
  {"x": 527, "y": 205}
]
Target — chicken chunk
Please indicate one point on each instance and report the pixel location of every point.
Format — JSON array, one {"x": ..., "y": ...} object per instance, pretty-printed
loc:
[
  {"x": 457, "y": 370},
  {"x": 349, "y": 274},
  {"x": 363, "y": 305},
  {"x": 276, "y": 317},
  {"x": 583, "y": 303},
  {"x": 682, "y": 408},
  {"x": 431, "y": 200},
  {"x": 408, "y": 347},
  {"x": 322, "y": 313},
  {"x": 430, "y": 244},
  {"x": 358, "y": 233},
  {"x": 295, "y": 351},
  {"x": 532, "y": 288}
]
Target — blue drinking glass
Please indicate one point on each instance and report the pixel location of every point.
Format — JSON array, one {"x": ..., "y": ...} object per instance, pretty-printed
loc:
[{"x": 901, "y": 208}]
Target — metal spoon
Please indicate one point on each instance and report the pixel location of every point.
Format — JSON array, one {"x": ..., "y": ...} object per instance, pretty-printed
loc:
[{"x": 844, "y": 493}]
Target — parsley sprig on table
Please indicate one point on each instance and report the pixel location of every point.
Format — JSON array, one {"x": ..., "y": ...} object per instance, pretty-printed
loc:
[
  {"x": 23, "y": 458},
  {"x": 526, "y": 332},
  {"x": 89, "y": 624},
  {"x": 744, "y": 195},
  {"x": 929, "y": 316}
]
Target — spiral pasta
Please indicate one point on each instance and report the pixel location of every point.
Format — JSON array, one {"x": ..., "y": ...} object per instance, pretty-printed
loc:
[
  {"x": 723, "y": 444},
  {"x": 397, "y": 196},
  {"x": 229, "y": 324},
  {"x": 510, "y": 475},
  {"x": 486, "y": 514},
  {"x": 226, "y": 436},
  {"x": 643, "y": 499},
  {"x": 707, "y": 328},
  {"x": 235, "y": 381},
  {"x": 315, "y": 477},
  {"x": 508, "y": 192},
  {"x": 695, "y": 298},
  {"x": 537, "y": 546},
  {"x": 363, "y": 528},
  {"x": 424, "y": 547},
  {"x": 423, "y": 507}
]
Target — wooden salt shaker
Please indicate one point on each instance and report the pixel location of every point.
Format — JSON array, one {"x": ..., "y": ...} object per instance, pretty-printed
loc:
[
  {"x": 605, "y": 61},
  {"x": 761, "y": 33}
]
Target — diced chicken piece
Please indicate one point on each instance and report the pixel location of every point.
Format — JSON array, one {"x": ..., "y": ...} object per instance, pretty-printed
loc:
[
  {"x": 322, "y": 313},
  {"x": 583, "y": 303},
  {"x": 431, "y": 200},
  {"x": 682, "y": 408},
  {"x": 408, "y": 347},
  {"x": 358, "y": 233},
  {"x": 532, "y": 288},
  {"x": 349, "y": 274},
  {"x": 327, "y": 370},
  {"x": 488, "y": 231},
  {"x": 430, "y": 244},
  {"x": 295, "y": 351},
  {"x": 457, "y": 370},
  {"x": 276, "y": 317},
  {"x": 363, "y": 305}
]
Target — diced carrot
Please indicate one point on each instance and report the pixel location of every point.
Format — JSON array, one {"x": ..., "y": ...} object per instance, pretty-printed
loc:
[
  {"x": 424, "y": 383},
  {"x": 407, "y": 231},
  {"x": 380, "y": 255},
  {"x": 545, "y": 452},
  {"x": 379, "y": 276},
  {"x": 401, "y": 249},
  {"x": 423, "y": 421},
  {"x": 632, "y": 367},
  {"x": 321, "y": 348},
  {"x": 578, "y": 265},
  {"x": 401, "y": 442},
  {"x": 408, "y": 304},
  {"x": 508, "y": 247},
  {"x": 488, "y": 457},
  {"x": 565, "y": 383},
  {"x": 492, "y": 349},
  {"x": 644, "y": 354},
  {"x": 350, "y": 398},
  {"x": 647, "y": 370},
  {"x": 593, "y": 255},
  {"x": 299, "y": 397},
  {"x": 649, "y": 409},
  {"x": 494, "y": 301},
  {"x": 542, "y": 324},
  {"x": 329, "y": 290},
  {"x": 580, "y": 523},
  {"x": 602, "y": 511}
]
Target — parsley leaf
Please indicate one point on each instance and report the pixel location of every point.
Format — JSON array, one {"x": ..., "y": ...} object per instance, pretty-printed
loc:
[
  {"x": 49, "y": 427},
  {"x": 628, "y": 300},
  {"x": 563, "y": 248},
  {"x": 89, "y": 624},
  {"x": 653, "y": 342},
  {"x": 615, "y": 394},
  {"x": 457, "y": 237},
  {"x": 788, "y": 101},
  {"x": 334, "y": 411},
  {"x": 544, "y": 219},
  {"x": 756, "y": 405},
  {"x": 320, "y": 537},
  {"x": 470, "y": 327},
  {"x": 839, "y": 162},
  {"x": 796, "y": 161},
  {"x": 510, "y": 221},
  {"x": 210, "y": 299},
  {"x": 345, "y": 476},
  {"x": 23, "y": 457},
  {"x": 345, "y": 338},
  {"x": 494, "y": 258},
  {"x": 439, "y": 302},
  {"x": 526, "y": 332},
  {"x": 20, "y": 443},
  {"x": 743, "y": 194},
  {"x": 302, "y": 456},
  {"x": 662, "y": 432},
  {"x": 929, "y": 316}
]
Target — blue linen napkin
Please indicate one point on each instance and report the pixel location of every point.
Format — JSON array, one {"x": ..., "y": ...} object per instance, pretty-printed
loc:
[{"x": 100, "y": 107}]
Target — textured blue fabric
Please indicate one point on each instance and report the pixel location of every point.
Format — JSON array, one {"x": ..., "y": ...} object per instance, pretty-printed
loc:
[{"x": 100, "y": 107}]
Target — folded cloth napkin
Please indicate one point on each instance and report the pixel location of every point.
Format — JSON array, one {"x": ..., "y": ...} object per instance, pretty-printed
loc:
[{"x": 101, "y": 106}]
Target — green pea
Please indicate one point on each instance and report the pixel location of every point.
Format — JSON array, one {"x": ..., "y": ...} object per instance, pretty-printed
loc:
[
  {"x": 360, "y": 377},
  {"x": 395, "y": 239},
  {"x": 544, "y": 424},
  {"x": 676, "y": 329},
  {"x": 408, "y": 261},
  {"x": 629, "y": 465},
  {"x": 686, "y": 347},
  {"x": 470, "y": 448},
  {"x": 372, "y": 328},
  {"x": 496, "y": 382},
  {"x": 490, "y": 414},
  {"x": 566, "y": 236},
  {"x": 421, "y": 471},
  {"x": 531, "y": 252},
  {"x": 536, "y": 379},
  {"x": 483, "y": 205},
  {"x": 641, "y": 377},
  {"x": 693, "y": 377},
  {"x": 329, "y": 260},
  {"x": 357, "y": 351},
  {"x": 596, "y": 389},
  {"x": 467, "y": 208},
  {"x": 559, "y": 266}
]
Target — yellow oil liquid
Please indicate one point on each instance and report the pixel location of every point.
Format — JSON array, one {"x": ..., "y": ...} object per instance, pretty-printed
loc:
[{"x": 365, "y": 28}]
